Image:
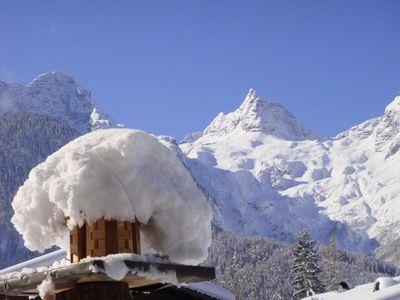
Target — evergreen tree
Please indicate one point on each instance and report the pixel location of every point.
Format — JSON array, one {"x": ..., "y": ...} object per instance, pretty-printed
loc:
[
  {"x": 259, "y": 268},
  {"x": 306, "y": 268},
  {"x": 334, "y": 263}
]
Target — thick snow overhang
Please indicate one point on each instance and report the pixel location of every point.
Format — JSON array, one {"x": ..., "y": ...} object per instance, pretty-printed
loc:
[
  {"x": 122, "y": 175},
  {"x": 135, "y": 272}
]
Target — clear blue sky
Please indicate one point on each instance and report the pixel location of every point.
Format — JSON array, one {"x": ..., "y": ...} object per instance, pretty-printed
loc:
[{"x": 168, "y": 67}]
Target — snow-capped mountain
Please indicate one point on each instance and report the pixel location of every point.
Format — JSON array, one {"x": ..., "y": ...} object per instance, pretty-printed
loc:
[
  {"x": 267, "y": 174},
  {"x": 255, "y": 115},
  {"x": 58, "y": 95},
  {"x": 264, "y": 171},
  {"x": 385, "y": 129}
]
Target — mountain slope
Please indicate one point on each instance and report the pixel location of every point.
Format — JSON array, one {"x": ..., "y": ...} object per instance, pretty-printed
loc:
[
  {"x": 26, "y": 139},
  {"x": 265, "y": 172},
  {"x": 270, "y": 175},
  {"x": 57, "y": 95},
  {"x": 255, "y": 115}
]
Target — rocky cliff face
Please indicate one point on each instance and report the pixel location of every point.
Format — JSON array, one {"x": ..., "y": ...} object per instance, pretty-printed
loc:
[
  {"x": 255, "y": 115},
  {"x": 58, "y": 95},
  {"x": 387, "y": 133}
]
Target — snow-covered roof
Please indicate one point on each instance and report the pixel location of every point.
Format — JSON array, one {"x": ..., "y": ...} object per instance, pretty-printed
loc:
[
  {"x": 53, "y": 260},
  {"x": 135, "y": 270},
  {"x": 210, "y": 289},
  {"x": 389, "y": 289},
  {"x": 113, "y": 268},
  {"x": 121, "y": 174},
  {"x": 37, "y": 262}
]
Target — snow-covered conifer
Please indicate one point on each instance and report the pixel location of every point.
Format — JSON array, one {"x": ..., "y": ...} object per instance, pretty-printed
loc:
[
  {"x": 306, "y": 268},
  {"x": 334, "y": 263}
]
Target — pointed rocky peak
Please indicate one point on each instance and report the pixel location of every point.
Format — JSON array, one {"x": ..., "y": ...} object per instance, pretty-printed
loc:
[
  {"x": 55, "y": 77},
  {"x": 58, "y": 95},
  {"x": 251, "y": 99},
  {"x": 57, "y": 82},
  {"x": 256, "y": 115},
  {"x": 394, "y": 106}
]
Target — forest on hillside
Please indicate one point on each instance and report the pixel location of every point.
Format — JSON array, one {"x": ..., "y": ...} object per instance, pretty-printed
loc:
[{"x": 261, "y": 268}]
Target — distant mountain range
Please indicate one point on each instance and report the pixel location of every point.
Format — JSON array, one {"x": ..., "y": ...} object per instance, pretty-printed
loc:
[
  {"x": 265, "y": 173},
  {"x": 270, "y": 175},
  {"x": 57, "y": 95}
]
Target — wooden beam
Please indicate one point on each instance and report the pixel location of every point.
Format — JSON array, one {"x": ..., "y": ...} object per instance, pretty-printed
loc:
[
  {"x": 82, "y": 242},
  {"x": 78, "y": 243},
  {"x": 111, "y": 237},
  {"x": 136, "y": 237},
  {"x": 49, "y": 297}
]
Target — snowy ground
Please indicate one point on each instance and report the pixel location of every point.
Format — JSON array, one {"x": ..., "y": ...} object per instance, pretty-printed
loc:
[{"x": 389, "y": 290}]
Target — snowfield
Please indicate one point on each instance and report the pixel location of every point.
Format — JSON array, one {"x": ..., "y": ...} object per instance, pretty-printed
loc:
[
  {"x": 121, "y": 174},
  {"x": 389, "y": 289}
]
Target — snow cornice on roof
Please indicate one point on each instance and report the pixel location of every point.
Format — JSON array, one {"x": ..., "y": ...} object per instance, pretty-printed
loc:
[{"x": 135, "y": 270}]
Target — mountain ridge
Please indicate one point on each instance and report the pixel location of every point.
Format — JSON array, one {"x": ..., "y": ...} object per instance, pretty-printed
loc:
[
  {"x": 264, "y": 172},
  {"x": 58, "y": 95},
  {"x": 256, "y": 115},
  {"x": 349, "y": 179}
]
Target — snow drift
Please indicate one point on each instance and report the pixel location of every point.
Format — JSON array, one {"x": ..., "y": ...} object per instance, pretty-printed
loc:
[{"x": 117, "y": 174}]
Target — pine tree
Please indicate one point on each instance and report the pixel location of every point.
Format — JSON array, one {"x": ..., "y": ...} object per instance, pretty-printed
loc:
[
  {"x": 306, "y": 268},
  {"x": 335, "y": 263}
]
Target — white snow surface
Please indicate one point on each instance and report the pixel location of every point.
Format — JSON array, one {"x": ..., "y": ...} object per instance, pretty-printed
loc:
[
  {"x": 268, "y": 175},
  {"x": 118, "y": 174},
  {"x": 255, "y": 115},
  {"x": 115, "y": 268},
  {"x": 58, "y": 95},
  {"x": 51, "y": 261},
  {"x": 389, "y": 290},
  {"x": 47, "y": 287},
  {"x": 114, "y": 265},
  {"x": 37, "y": 262}
]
